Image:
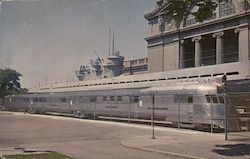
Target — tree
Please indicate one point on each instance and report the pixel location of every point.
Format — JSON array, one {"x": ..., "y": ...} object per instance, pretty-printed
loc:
[
  {"x": 180, "y": 9},
  {"x": 9, "y": 82}
]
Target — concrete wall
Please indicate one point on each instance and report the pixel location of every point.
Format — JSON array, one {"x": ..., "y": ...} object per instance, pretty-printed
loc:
[
  {"x": 155, "y": 59},
  {"x": 171, "y": 57},
  {"x": 243, "y": 44},
  {"x": 154, "y": 29}
]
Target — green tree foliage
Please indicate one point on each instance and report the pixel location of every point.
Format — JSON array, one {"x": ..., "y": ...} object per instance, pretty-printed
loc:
[
  {"x": 9, "y": 82},
  {"x": 180, "y": 9}
]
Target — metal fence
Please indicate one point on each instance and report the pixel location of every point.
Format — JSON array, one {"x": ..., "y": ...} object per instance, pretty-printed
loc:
[
  {"x": 1, "y": 104},
  {"x": 241, "y": 116}
]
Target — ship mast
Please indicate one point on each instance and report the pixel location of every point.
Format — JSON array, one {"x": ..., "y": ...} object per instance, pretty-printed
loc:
[
  {"x": 113, "y": 44},
  {"x": 109, "y": 39}
]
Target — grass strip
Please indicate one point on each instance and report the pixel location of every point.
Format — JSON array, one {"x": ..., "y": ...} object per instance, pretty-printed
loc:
[{"x": 50, "y": 155}]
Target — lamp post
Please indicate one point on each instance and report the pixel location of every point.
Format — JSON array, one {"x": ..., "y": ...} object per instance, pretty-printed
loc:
[
  {"x": 224, "y": 87},
  {"x": 153, "y": 116}
]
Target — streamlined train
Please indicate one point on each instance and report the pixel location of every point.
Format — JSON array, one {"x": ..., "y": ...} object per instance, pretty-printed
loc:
[{"x": 192, "y": 104}]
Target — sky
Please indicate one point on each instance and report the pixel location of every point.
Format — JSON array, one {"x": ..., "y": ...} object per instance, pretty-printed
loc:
[{"x": 48, "y": 40}]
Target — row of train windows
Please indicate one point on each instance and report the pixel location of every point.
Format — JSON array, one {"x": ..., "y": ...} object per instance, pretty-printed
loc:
[
  {"x": 183, "y": 99},
  {"x": 135, "y": 99},
  {"x": 65, "y": 100},
  {"x": 162, "y": 79},
  {"x": 214, "y": 99},
  {"x": 19, "y": 99}
]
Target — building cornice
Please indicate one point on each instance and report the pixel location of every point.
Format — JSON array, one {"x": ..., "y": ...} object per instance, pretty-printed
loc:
[
  {"x": 157, "y": 11},
  {"x": 197, "y": 26}
]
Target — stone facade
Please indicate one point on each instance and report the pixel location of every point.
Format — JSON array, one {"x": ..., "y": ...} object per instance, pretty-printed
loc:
[
  {"x": 224, "y": 38},
  {"x": 135, "y": 66}
]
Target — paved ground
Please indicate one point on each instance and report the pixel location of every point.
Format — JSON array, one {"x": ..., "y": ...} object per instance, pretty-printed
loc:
[{"x": 104, "y": 140}]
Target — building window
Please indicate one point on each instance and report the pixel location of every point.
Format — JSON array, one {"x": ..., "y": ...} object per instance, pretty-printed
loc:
[
  {"x": 190, "y": 20},
  {"x": 226, "y": 8}
]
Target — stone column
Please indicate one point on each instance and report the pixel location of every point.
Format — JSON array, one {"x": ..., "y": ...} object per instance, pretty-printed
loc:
[
  {"x": 181, "y": 62},
  {"x": 197, "y": 50},
  {"x": 219, "y": 47},
  {"x": 243, "y": 43}
]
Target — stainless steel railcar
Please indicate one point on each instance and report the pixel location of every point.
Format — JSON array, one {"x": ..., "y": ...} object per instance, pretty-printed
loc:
[{"x": 192, "y": 104}]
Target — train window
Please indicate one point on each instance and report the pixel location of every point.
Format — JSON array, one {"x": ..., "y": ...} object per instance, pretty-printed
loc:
[
  {"x": 221, "y": 99},
  {"x": 44, "y": 100},
  {"x": 63, "y": 100},
  {"x": 105, "y": 98},
  {"x": 205, "y": 76},
  {"x": 220, "y": 89},
  {"x": 218, "y": 74},
  {"x": 112, "y": 98},
  {"x": 119, "y": 98},
  {"x": 183, "y": 99},
  {"x": 40, "y": 100},
  {"x": 232, "y": 73},
  {"x": 190, "y": 99},
  {"x": 208, "y": 98},
  {"x": 181, "y": 77},
  {"x": 35, "y": 99},
  {"x": 176, "y": 98},
  {"x": 171, "y": 79},
  {"x": 136, "y": 99},
  {"x": 214, "y": 99},
  {"x": 93, "y": 99},
  {"x": 193, "y": 77}
]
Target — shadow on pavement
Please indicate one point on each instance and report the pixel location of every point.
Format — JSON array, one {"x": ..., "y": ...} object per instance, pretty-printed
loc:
[
  {"x": 232, "y": 150},
  {"x": 25, "y": 150}
]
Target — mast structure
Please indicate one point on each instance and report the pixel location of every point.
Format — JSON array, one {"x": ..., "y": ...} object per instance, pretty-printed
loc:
[
  {"x": 109, "y": 39},
  {"x": 113, "y": 44}
]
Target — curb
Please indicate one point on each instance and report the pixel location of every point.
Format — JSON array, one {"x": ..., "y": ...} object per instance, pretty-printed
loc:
[{"x": 123, "y": 143}]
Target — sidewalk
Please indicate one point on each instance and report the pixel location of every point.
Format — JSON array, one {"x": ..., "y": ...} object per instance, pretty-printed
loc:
[{"x": 192, "y": 146}]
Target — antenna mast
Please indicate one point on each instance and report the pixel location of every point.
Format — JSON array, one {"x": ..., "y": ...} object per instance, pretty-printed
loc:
[
  {"x": 113, "y": 47},
  {"x": 109, "y": 39}
]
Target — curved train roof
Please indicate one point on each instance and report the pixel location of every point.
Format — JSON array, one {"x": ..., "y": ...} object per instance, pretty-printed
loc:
[{"x": 207, "y": 74}]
